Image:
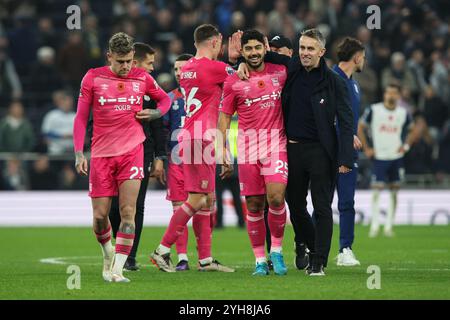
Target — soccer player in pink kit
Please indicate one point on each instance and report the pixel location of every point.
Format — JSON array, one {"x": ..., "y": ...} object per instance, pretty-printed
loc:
[
  {"x": 201, "y": 83},
  {"x": 262, "y": 155},
  {"x": 115, "y": 93}
]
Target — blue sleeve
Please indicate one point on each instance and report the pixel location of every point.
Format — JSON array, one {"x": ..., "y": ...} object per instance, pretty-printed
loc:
[
  {"x": 367, "y": 116},
  {"x": 406, "y": 126}
]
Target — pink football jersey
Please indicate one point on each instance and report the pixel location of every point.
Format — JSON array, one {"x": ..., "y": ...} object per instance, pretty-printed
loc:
[
  {"x": 201, "y": 84},
  {"x": 257, "y": 102},
  {"x": 115, "y": 101}
]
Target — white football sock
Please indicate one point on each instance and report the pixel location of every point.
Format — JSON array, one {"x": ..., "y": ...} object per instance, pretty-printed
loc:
[
  {"x": 375, "y": 223},
  {"x": 391, "y": 211}
]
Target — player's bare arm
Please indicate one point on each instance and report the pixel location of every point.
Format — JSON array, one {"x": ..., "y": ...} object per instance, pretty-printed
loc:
[
  {"x": 148, "y": 114},
  {"x": 368, "y": 151},
  {"x": 81, "y": 163}
]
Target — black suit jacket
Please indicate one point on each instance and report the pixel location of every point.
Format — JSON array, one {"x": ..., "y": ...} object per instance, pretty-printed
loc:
[{"x": 330, "y": 101}]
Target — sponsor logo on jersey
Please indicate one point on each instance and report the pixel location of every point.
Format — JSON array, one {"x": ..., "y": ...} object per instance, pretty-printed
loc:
[
  {"x": 131, "y": 100},
  {"x": 275, "y": 95}
]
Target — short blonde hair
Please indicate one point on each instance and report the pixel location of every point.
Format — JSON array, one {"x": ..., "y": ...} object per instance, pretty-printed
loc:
[{"x": 121, "y": 43}]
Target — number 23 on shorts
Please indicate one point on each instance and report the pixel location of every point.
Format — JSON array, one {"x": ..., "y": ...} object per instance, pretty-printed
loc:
[{"x": 137, "y": 171}]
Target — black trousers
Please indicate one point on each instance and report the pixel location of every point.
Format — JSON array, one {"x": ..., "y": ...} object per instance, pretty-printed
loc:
[
  {"x": 310, "y": 165},
  {"x": 231, "y": 184},
  {"x": 114, "y": 213}
]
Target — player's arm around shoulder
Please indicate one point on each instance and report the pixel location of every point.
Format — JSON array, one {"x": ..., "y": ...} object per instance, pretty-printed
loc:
[{"x": 160, "y": 96}]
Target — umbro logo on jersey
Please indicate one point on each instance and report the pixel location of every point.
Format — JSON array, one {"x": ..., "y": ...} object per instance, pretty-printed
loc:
[{"x": 104, "y": 86}]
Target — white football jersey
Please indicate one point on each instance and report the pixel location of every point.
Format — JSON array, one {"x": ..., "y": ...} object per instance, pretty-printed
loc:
[{"x": 388, "y": 129}]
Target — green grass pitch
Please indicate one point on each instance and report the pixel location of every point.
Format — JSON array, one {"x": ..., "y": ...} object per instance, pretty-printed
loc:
[{"x": 414, "y": 265}]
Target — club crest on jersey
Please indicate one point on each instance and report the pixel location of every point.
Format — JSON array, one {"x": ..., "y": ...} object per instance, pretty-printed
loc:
[
  {"x": 275, "y": 82},
  {"x": 204, "y": 184},
  {"x": 136, "y": 87},
  {"x": 175, "y": 105},
  {"x": 261, "y": 84},
  {"x": 121, "y": 86},
  {"x": 229, "y": 70}
]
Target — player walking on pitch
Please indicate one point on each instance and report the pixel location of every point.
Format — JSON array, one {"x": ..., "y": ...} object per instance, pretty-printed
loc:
[
  {"x": 201, "y": 82},
  {"x": 115, "y": 93},
  {"x": 392, "y": 134},
  {"x": 262, "y": 161}
]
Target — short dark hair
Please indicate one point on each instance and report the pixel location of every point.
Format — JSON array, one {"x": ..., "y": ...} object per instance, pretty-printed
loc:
[
  {"x": 184, "y": 57},
  {"x": 252, "y": 35},
  {"x": 347, "y": 48},
  {"x": 395, "y": 85},
  {"x": 141, "y": 50},
  {"x": 120, "y": 43},
  {"x": 315, "y": 34},
  {"x": 204, "y": 32}
]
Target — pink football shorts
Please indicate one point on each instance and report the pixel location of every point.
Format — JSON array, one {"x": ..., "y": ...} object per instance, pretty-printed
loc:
[
  {"x": 175, "y": 183},
  {"x": 199, "y": 165},
  {"x": 107, "y": 173},
  {"x": 253, "y": 177}
]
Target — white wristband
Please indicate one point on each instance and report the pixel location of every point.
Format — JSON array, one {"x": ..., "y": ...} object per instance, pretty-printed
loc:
[{"x": 406, "y": 147}]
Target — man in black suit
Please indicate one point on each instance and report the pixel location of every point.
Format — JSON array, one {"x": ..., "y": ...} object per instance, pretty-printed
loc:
[{"x": 314, "y": 98}]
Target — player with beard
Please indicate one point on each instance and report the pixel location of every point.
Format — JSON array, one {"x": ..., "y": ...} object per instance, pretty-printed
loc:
[{"x": 262, "y": 159}]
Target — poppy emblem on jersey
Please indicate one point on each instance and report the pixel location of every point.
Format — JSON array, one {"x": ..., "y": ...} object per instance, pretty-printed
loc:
[
  {"x": 136, "y": 87},
  {"x": 261, "y": 84},
  {"x": 204, "y": 184},
  {"x": 121, "y": 86}
]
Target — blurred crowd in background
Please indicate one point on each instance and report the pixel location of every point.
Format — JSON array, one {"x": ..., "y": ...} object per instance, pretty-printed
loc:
[{"x": 42, "y": 64}]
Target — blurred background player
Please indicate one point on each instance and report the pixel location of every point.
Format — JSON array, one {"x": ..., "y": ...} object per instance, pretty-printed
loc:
[
  {"x": 201, "y": 83},
  {"x": 351, "y": 57},
  {"x": 154, "y": 155},
  {"x": 281, "y": 45},
  {"x": 175, "y": 179},
  {"x": 116, "y": 94},
  {"x": 392, "y": 135},
  {"x": 262, "y": 173}
]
